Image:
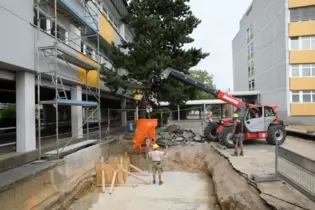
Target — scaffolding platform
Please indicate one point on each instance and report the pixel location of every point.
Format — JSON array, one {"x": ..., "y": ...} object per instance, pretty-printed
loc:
[
  {"x": 70, "y": 102},
  {"x": 71, "y": 58},
  {"x": 71, "y": 148}
]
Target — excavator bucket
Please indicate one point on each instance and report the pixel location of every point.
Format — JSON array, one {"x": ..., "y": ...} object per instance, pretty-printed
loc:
[{"x": 145, "y": 128}]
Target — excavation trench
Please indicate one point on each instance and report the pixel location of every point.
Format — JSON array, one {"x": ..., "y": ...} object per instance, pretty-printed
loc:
[{"x": 195, "y": 176}]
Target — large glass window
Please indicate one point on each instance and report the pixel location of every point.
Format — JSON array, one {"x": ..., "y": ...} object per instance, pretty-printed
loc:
[
  {"x": 295, "y": 69},
  {"x": 303, "y": 96},
  {"x": 295, "y": 97},
  {"x": 303, "y": 70},
  {"x": 302, "y": 43}
]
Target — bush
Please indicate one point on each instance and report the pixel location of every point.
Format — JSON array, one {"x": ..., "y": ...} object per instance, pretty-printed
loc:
[{"x": 8, "y": 116}]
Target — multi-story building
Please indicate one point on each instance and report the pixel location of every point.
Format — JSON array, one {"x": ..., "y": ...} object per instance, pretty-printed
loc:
[
  {"x": 274, "y": 53},
  {"x": 70, "y": 37}
]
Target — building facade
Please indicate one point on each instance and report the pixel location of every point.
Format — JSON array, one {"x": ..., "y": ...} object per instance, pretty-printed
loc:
[
  {"x": 81, "y": 33},
  {"x": 273, "y": 52}
]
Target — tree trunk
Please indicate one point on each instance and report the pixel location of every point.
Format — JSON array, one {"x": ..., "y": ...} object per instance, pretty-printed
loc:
[{"x": 142, "y": 112}]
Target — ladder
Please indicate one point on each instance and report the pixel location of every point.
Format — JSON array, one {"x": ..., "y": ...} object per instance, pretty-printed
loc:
[{"x": 51, "y": 55}]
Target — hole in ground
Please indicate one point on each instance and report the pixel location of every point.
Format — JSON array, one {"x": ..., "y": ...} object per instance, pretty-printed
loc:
[{"x": 195, "y": 177}]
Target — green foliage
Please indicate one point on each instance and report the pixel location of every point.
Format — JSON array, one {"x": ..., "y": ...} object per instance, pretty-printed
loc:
[
  {"x": 8, "y": 116},
  {"x": 162, "y": 120},
  {"x": 161, "y": 29},
  {"x": 204, "y": 77}
]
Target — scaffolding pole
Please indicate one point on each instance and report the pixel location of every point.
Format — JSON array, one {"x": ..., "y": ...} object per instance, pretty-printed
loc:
[{"x": 58, "y": 83}]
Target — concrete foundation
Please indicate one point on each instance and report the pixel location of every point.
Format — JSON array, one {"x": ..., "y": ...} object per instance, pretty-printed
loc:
[
  {"x": 49, "y": 186},
  {"x": 25, "y": 112}
]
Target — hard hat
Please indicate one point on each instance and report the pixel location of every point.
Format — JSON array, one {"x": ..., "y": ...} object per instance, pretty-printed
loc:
[
  {"x": 235, "y": 115},
  {"x": 155, "y": 146}
]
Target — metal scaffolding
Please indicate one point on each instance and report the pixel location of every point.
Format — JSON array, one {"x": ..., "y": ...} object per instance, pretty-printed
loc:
[{"x": 58, "y": 52}]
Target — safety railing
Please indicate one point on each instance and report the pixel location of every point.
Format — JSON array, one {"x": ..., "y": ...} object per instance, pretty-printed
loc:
[{"x": 296, "y": 170}]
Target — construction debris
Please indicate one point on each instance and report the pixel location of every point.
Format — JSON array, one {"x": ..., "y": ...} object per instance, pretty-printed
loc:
[{"x": 173, "y": 135}]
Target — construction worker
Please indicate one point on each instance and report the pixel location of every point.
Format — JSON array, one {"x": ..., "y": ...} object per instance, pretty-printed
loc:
[
  {"x": 156, "y": 156},
  {"x": 237, "y": 135}
]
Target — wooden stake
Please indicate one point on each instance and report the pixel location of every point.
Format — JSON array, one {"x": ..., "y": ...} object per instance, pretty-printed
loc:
[
  {"x": 103, "y": 180},
  {"x": 139, "y": 170},
  {"x": 137, "y": 177},
  {"x": 113, "y": 182}
]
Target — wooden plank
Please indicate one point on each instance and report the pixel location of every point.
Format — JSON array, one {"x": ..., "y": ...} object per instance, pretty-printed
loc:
[
  {"x": 103, "y": 180},
  {"x": 120, "y": 176},
  {"x": 113, "y": 183},
  {"x": 137, "y": 177},
  {"x": 109, "y": 172},
  {"x": 139, "y": 170}
]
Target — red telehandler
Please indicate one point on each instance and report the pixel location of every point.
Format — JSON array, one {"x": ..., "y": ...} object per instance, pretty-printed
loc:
[{"x": 260, "y": 120}]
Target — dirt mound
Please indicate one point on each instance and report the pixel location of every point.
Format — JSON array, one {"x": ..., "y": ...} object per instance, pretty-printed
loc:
[{"x": 233, "y": 190}]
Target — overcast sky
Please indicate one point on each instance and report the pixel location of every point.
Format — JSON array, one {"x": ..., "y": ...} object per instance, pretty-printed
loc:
[{"x": 220, "y": 23}]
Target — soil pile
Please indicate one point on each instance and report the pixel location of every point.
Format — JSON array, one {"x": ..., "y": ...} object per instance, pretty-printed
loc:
[{"x": 174, "y": 135}]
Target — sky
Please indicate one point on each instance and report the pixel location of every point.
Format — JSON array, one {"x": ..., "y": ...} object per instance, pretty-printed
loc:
[{"x": 219, "y": 25}]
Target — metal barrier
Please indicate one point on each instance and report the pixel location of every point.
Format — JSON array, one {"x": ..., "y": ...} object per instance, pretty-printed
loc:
[{"x": 296, "y": 170}]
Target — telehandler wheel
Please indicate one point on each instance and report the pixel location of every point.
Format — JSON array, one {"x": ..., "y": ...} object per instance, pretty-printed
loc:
[
  {"x": 276, "y": 133},
  {"x": 226, "y": 137},
  {"x": 210, "y": 132}
]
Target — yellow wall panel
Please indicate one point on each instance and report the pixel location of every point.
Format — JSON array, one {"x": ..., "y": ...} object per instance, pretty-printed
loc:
[
  {"x": 92, "y": 76},
  {"x": 302, "y": 83},
  {"x": 301, "y": 3},
  {"x": 302, "y": 56},
  {"x": 306, "y": 28},
  {"x": 303, "y": 109},
  {"x": 106, "y": 30}
]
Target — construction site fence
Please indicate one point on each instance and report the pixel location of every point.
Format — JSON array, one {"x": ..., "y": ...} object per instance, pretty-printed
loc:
[
  {"x": 165, "y": 116},
  {"x": 296, "y": 170}
]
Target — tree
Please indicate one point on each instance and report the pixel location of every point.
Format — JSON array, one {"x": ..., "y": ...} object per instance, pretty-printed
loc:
[
  {"x": 8, "y": 116},
  {"x": 204, "y": 77},
  {"x": 161, "y": 29}
]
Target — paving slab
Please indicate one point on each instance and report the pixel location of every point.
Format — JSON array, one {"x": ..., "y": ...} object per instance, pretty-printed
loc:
[{"x": 181, "y": 190}]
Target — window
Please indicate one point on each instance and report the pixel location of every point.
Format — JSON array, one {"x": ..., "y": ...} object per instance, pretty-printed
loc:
[
  {"x": 89, "y": 52},
  {"x": 250, "y": 50},
  {"x": 303, "y": 43},
  {"x": 303, "y": 70},
  {"x": 251, "y": 69},
  {"x": 251, "y": 84},
  {"x": 268, "y": 112},
  {"x": 302, "y": 14},
  {"x": 42, "y": 21},
  {"x": 295, "y": 70},
  {"x": 305, "y": 96},
  {"x": 306, "y": 70},
  {"x": 295, "y": 96},
  {"x": 295, "y": 43},
  {"x": 249, "y": 34},
  {"x": 61, "y": 33},
  {"x": 306, "y": 43}
]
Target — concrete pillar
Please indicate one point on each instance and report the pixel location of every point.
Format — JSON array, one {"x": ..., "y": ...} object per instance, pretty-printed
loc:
[
  {"x": 76, "y": 112},
  {"x": 178, "y": 112},
  {"x": 205, "y": 111},
  {"x": 25, "y": 112},
  {"x": 123, "y": 113}
]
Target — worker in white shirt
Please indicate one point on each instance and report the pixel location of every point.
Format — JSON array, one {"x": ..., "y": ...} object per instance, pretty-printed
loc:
[{"x": 156, "y": 156}]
